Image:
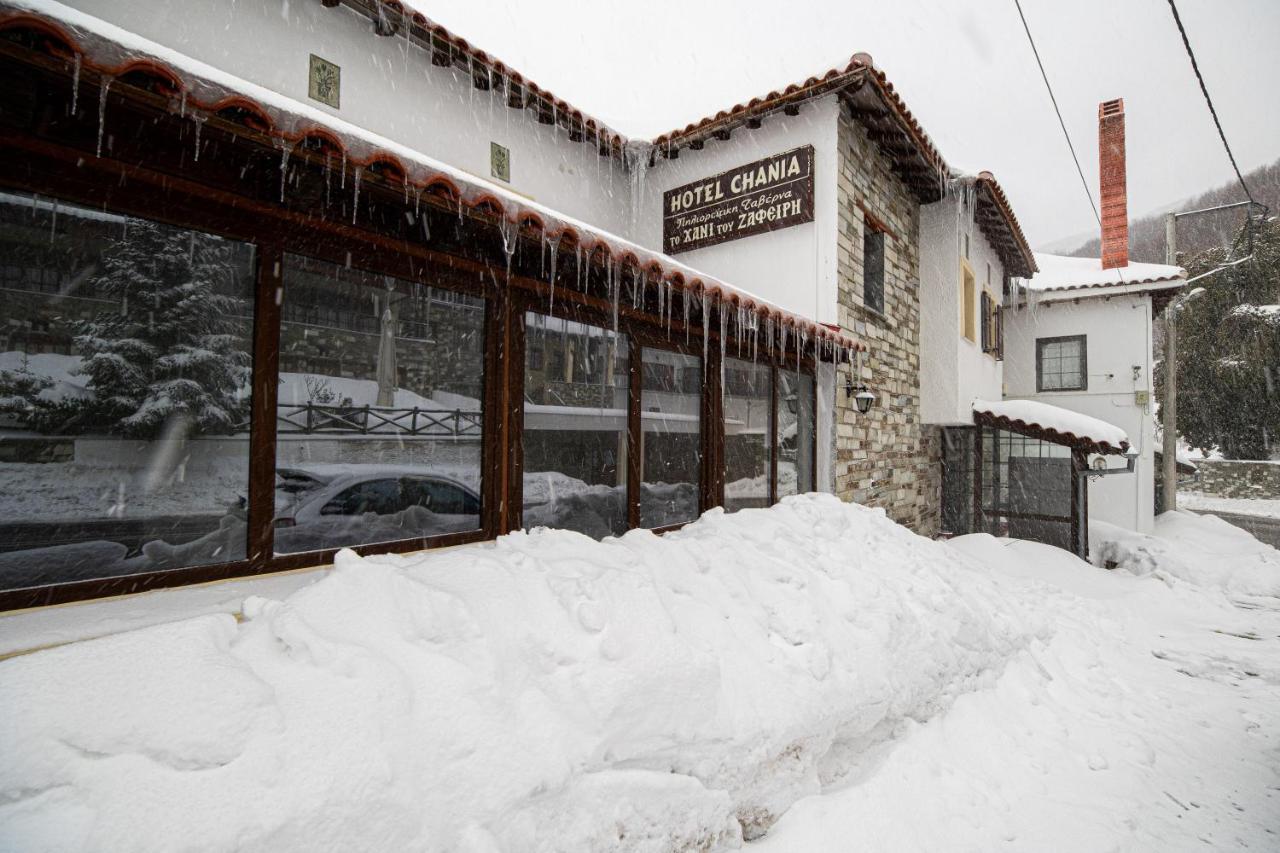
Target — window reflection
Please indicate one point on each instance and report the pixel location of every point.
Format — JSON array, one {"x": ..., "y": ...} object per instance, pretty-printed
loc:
[
  {"x": 575, "y": 427},
  {"x": 379, "y": 415},
  {"x": 670, "y": 417},
  {"x": 796, "y": 426},
  {"x": 747, "y": 436},
  {"x": 124, "y": 394}
]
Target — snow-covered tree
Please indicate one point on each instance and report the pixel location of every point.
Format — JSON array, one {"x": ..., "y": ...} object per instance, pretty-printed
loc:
[
  {"x": 20, "y": 390},
  {"x": 1229, "y": 351},
  {"x": 170, "y": 349}
]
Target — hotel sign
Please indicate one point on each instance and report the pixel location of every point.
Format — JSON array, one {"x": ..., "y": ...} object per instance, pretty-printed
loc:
[{"x": 769, "y": 194}]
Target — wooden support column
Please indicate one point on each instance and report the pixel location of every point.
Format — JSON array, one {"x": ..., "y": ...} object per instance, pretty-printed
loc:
[
  {"x": 979, "y": 523},
  {"x": 712, "y": 431},
  {"x": 771, "y": 443},
  {"x": 1080, "y": 504},
  {"x": 268, "y": 297},
  {"x": 509, "y": 439},
  {"x": 635, "y": 435}
]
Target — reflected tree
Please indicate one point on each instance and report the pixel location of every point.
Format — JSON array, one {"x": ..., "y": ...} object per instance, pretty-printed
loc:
[{"x": 170, "y": 348}]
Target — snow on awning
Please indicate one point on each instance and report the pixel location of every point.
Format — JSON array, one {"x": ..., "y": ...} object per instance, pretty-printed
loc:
[
  {"x": 1051, "y": 423},
  {"x": 198, "y": 90}
]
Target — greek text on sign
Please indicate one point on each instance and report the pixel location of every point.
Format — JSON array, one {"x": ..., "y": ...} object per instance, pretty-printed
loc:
[{"x": 773, "y": 193}]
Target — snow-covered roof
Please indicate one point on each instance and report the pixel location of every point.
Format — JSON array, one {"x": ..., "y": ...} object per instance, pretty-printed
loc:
[
  {"x": 1060, "y": 273},
  {"x": 994, "y": 215},
  {"x": 1052, "y": 423},
  {"x": 200, "y": 90}
]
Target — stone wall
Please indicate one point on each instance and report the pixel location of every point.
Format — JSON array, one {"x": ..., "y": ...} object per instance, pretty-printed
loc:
[
  {"x": 1238, "y": 479},
  {"x": 884, "y": 458}
]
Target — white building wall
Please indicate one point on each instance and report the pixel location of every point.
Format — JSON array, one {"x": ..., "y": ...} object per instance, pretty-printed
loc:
[
  {"x": 390, "y": 87},
  {"x": 954, "y": 371},
  {"x": 794, "y": 268},
  {"x": 1119, "y": 353}
]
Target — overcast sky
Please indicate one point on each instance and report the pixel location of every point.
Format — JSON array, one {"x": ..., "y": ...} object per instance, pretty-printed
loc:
[{"x": 963, "y": 66}]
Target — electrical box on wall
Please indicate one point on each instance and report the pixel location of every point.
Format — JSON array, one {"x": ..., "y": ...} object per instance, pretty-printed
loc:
[{"x": 1141, "y": 398}]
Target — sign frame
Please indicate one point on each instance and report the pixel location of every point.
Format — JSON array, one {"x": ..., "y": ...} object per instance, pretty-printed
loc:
[{"x": 760, "y": 197}]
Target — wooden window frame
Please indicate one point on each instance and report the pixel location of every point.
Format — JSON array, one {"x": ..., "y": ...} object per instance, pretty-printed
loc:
[
  {"x": 873, "y": 228},
  {"x": 968, "y": 300},
  {"x": 1041, "y": 343},
  {"x": 211, "y": 201}
]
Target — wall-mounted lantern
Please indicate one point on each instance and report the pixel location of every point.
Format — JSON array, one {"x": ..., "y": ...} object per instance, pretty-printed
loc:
[{"x": 862, "y": 397}]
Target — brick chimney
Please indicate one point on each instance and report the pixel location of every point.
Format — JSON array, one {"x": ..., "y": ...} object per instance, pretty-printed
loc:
[{"x": 1111, "y": 180}]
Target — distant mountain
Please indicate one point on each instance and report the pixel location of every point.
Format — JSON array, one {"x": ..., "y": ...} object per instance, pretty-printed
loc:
[{"x": 1146, "y": 235}]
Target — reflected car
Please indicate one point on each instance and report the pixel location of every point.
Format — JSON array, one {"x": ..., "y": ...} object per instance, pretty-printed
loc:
[{"x": 309, "y": 494}]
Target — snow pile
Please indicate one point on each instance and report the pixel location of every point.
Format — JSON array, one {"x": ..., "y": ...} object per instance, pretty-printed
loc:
[
  {"x": 1150, "y": 720},
  {"x": 544, "y": 692},
  {"x": 1047, "y": 417},
  {"x": 1201, "y": 549}
]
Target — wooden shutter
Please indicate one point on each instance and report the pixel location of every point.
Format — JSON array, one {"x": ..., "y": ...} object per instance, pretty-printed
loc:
[
  {"x": 987, "y": 342},
  {"x": 999, "y": 333}
]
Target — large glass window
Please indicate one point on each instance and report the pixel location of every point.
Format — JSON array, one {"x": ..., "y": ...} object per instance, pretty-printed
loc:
[
  {"x": 379, "y": 415},
  {"x": 124, "y": 394},
  {"x": 796, "y": 433},
  {"x": 748, "y": 403},
  {"x": 575, "y": 426},
  {"x": 671, "y": 436}
]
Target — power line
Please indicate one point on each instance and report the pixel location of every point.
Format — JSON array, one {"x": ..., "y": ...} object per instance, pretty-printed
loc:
[
  {"x": 1083, "y": 181},
  {"x": 1195, "y": 67}
]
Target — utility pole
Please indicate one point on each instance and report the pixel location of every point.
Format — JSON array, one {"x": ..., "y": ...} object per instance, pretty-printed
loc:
[{"x": 1169, "y": 405}]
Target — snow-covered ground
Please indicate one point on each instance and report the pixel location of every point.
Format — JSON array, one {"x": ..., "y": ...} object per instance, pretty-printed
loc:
[
  {"x": 1150, "y": 720},
  {"x": 64, "y": 491},
  {"x": 1200, "y": 502},
  {"x": 810, "y": 673}
]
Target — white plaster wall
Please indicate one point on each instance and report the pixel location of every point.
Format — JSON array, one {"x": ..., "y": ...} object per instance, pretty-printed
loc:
[
  {"x": 1118, "y": 334},
  {"x": 389, "y": 87},
  {"x": 954, "y": 371},
  {"x": 794, "y": 268}
]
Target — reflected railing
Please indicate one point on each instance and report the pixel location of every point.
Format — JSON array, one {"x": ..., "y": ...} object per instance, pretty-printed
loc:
[{"x": 327, "y": 419}]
